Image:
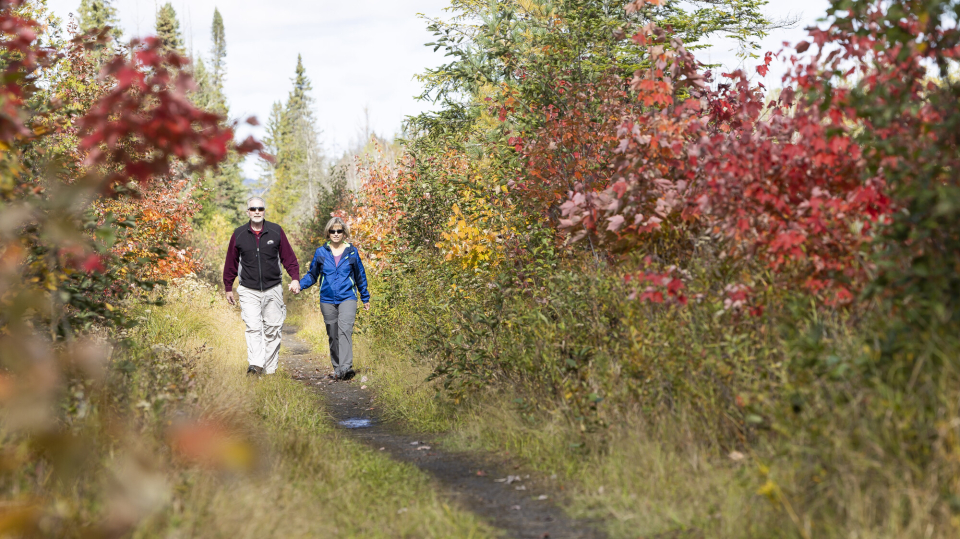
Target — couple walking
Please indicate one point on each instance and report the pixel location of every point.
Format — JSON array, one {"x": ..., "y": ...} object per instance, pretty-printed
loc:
[{"x": 256, "y": 252}]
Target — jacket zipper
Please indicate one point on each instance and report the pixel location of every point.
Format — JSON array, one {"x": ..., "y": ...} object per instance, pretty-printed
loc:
[
  {"x": 343, "y": 258},
  {"x": 259, "y": 267}
]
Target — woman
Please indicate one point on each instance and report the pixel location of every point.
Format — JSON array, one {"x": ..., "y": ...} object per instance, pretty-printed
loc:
[{"x": 338, "y": 268}]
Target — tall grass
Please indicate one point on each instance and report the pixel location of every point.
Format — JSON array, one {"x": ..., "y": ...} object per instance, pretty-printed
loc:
[
  {"x": 800, "y": 422},
  {"x": 311, "y": 481},
  {"x": 193, "y": 447}
]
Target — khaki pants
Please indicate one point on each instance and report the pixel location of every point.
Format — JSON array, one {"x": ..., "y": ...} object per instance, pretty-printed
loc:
[{"x": 263, "y": 313}]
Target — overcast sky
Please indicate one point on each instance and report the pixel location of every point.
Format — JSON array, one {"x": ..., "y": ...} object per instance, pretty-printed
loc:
[{"x": 362, "y": 53}]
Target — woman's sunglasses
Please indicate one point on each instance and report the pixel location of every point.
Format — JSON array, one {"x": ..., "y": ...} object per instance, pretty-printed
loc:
[{"x": 338, "y": 231}]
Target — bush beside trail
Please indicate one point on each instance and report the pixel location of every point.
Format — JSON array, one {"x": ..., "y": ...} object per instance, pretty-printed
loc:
[{"x": 770, "y": 283}]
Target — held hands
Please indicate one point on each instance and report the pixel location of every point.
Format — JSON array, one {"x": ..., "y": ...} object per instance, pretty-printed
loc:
[{"x": 295, "y": 287}]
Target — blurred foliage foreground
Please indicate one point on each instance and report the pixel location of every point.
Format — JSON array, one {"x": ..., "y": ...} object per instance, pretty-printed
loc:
[
  {"x": 98, "y": 143},
  {"x": 593, "y": 225}
]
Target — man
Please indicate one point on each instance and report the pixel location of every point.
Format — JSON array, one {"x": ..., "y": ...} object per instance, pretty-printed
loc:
[{"x": 256, "y": 250}]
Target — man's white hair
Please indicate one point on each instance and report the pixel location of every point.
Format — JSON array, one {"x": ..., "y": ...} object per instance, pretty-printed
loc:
[{"x": 251, "y": 199}]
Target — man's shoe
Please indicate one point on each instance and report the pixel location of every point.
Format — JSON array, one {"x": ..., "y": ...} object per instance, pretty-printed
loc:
[
  {"x": 348, "y": 375},
  {"x": 254, "y": 370}
]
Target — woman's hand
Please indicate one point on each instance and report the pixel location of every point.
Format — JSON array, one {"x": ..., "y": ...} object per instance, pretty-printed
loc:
[{"x": 366, "y": 306}]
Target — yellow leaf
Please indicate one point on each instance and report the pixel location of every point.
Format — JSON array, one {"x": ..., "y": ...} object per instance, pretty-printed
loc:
[{"x": 770, "y": 490}]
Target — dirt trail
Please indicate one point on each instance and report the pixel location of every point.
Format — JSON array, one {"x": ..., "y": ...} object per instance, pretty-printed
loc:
[{"x": 510, "y": 499}]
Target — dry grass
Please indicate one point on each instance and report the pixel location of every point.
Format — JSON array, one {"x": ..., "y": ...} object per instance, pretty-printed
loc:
[
  {"x": 656, "y": 476},
  {"x": 655, "y": 479},
  {"x": 638, "y": 483},
  {"x": 310, "y": 481}
]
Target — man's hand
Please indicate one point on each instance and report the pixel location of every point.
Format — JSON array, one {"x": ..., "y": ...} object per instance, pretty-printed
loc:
[
  {"x": 230, "y": 299},
  {"x": 366, "y": 306},
  {"x": 295, "y": 287}
]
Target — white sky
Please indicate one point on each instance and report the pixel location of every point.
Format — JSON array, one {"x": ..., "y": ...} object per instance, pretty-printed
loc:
[{"x": 362, "y": 53}]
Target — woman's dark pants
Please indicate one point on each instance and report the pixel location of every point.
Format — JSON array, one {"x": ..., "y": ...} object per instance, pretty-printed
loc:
[{"x": 339, "y": 321}]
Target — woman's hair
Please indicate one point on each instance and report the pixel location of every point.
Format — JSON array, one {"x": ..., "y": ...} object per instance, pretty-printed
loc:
[{"x": 336, "y": 221}]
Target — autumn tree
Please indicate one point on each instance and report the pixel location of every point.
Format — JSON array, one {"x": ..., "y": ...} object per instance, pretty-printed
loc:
[
  {"x": 519, "y": 44},
  {"x": 518, "y": 65}
]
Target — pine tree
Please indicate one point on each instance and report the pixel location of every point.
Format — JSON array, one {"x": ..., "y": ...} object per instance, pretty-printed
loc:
[
  {"x": 299, "y": 101},
  {"x": 202, "y": 97},
  {"x": 333, "y": 196},
  {"x": 218, "y": 60},
  {"x": 168, "y": 29},
  {"x": 298, "y": 172},
  {"x": 208, "y": 95},
  {"x": 226, "y": 193},
  {"x": 94, "y": 14},
  {"x": 271, "y": 145}
]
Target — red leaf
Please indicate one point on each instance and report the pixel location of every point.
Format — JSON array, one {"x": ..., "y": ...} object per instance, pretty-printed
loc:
[{"x": 92, "y": 263}]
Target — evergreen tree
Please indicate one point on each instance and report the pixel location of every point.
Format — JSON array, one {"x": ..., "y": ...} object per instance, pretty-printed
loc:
[
  {"x": 218, "y": 60},
  {"x": 208, "y": 95},
  {"x": 94, "y": 14},
  {"x": 168, "y": 29},
  {"x": 332, "y": 197},
  {"x": 225, "y": 191},
  {"x": 295, "y": 180},
  {"x": 203, "y": 96},
  {"x": 299, "y": 101},
  {"x": 271, "y": 145},
  {"x": 275, "y": 128}
]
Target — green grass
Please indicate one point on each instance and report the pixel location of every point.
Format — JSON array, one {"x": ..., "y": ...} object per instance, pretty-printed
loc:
[
  {"x": 309, "y": 481},
  {"x": 853, "y": 459},
  {"x": 635, "y": 484}
]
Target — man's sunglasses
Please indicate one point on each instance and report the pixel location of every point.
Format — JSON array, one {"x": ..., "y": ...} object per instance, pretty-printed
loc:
[
  {"x": 261, "y": 208},
  {"x": 338, "y": 231}
]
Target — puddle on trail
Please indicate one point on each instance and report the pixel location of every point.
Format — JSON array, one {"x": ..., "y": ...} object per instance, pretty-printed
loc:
[{"x": 356, "y": 423}]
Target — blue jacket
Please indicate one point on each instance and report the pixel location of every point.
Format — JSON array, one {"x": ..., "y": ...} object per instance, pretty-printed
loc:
[{"x": 337, "y": 283}]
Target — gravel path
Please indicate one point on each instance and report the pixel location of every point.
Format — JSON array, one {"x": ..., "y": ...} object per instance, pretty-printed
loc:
[{"x": 517, "y": 502}]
